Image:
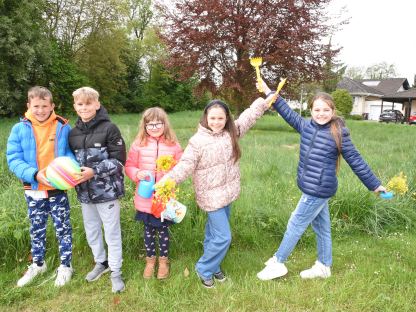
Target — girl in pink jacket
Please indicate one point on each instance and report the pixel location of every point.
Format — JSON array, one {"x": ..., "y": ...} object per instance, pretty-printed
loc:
[
  {"x": 155, "y": 138},
  {"x": 212, "y": 158}
]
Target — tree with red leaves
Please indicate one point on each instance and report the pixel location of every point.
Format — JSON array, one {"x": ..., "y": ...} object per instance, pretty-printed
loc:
[{"x": 213, "y": 40}]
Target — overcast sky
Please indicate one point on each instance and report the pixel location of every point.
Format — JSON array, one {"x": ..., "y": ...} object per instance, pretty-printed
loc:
[{"x": 378, "y": 31}]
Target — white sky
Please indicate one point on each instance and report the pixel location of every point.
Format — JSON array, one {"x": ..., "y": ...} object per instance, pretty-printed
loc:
[{"x": 378, "y": 31}]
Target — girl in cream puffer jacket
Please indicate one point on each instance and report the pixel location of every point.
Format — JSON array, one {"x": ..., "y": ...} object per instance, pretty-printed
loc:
[{"x": 212, "y": 158}]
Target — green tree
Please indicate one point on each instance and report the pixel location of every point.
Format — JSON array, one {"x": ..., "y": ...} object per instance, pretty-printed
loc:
[
  {"x": 213, "y": 40},
  {"x": 343, "y": 101},
  {"x": 380, "y": 71},
  {"x": 165, "y": 90},
  {"x": 24, "y": 52},
  {"x": 62, "y": 77},
  {"x": 103, "y": 66},
  {"x": 332, "y": 71},
  {"x": 355, "y": 72}
]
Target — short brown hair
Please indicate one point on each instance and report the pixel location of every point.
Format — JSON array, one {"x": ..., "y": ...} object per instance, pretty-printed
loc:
[{"x": 39, "y": 92}]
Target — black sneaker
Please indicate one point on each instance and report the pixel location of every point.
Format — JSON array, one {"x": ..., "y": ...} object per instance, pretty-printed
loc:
[
  {"x": 208, "y": 283},
  {"x": 220, "y": 276}
]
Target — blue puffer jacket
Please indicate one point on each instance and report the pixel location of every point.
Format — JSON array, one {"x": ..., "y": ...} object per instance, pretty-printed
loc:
[
  {"x": 21, "y": 149},
  {"x": 318, "y": 155}
]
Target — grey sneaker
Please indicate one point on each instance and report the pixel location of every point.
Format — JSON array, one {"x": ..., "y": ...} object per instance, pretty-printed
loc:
[
  {"x": 220, "y": 276},
  {"x": 209, "y": 283},
  {"x": 96, "y": 273},
  {"x": 117, "y": 282}
]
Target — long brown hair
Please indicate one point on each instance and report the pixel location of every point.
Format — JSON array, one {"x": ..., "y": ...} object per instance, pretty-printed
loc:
[
  {"x": 336, "y": 123},
  {"x": 229, "y": 125},
  {"x": 155, "y": 113}
]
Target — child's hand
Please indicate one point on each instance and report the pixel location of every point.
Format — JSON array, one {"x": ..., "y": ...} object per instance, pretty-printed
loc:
[
  {"x": 381, "y": 188},
  {"x": 160, "y": 183},
  {"x": 265, "y": 87},
  {"x": 142, "y": 174},
  {"x": 41, "y": 177},
  {"x": 86, "y": 174}
]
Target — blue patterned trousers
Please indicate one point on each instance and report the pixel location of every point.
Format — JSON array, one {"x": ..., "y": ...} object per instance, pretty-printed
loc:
[{"x": 57, "y": 207}]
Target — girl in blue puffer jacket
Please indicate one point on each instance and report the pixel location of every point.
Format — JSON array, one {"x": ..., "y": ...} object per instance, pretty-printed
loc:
[{"x": 324, "y": 138}]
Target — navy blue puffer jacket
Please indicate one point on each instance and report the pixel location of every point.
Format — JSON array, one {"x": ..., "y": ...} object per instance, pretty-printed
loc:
[{"x": 318, "y": 155}]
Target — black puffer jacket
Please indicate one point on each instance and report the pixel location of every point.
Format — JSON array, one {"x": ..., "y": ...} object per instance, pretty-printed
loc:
[
  {"x": 318, "y": 155},
  {"x": 98, "y": 144}
]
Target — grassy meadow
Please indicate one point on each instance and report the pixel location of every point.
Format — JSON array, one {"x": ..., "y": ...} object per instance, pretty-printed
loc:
[{"x": 374, "y": 240}]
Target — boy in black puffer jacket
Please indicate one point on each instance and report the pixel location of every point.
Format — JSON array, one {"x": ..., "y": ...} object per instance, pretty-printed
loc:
[{"x": 101, "y": 151}]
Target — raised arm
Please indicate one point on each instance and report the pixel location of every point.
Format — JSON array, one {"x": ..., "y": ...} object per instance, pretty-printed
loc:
[
  {"x": 249, "y": 117},
  {"x": 288, "y": 114}
]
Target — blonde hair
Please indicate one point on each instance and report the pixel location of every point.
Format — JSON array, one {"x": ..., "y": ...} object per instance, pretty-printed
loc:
[
  {"x": 336, "y": 123},
  {"x": 155, "y": 113},
  {"x": 39, "y": 92},
  {"x": 87, "y": 93}
]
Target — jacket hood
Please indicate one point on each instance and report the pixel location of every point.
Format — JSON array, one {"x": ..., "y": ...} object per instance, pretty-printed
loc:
[
  {"x": 29, "y": 116},
  {"x": 101, "y": 116}
]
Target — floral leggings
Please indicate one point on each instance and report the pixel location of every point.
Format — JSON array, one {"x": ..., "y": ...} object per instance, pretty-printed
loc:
[{"x": 150, "y": 240}]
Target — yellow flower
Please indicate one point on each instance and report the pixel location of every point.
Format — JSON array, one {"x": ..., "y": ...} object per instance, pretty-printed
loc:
[
  {"x": 166, "y": 191},
  {"x": 165, "y": 162},
  {"x": 398, "y": 184}
]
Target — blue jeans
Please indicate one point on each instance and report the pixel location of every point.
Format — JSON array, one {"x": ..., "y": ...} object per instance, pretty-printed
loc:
[
  {"x": 216, "y": 243},
  {"x": 309, "y": 210}
]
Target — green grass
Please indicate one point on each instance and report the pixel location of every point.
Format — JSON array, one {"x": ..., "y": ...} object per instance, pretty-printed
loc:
[{"x": 373, "y": 238}]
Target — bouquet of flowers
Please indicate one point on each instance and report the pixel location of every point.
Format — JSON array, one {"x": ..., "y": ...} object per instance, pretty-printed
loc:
[
  {"x": 163, "y": 193},
  {"x": 398, "y": 184},
  {"x": 164, "y": 163}
]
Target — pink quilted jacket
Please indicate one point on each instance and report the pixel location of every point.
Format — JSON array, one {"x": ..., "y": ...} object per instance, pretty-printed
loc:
[
  {"x": 208, "y": 158},
  {"x": 144, "y": 158}
]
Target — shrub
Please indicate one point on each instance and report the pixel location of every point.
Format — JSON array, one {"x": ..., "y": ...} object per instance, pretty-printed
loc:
[{"x": 343, "y": 101}]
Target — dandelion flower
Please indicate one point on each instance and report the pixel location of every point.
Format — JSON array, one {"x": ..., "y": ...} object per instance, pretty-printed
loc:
[{"x": 398, "y": 184}]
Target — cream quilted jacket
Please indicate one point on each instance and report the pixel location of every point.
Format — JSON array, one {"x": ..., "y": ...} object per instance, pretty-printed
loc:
[{"x": 208, "y": 158}]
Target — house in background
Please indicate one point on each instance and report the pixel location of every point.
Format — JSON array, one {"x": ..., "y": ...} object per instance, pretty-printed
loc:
[{"x": 372, "y": 96}]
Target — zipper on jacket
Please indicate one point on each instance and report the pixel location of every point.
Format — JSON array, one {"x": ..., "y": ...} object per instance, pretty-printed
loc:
[
  {"x": 57, "y": 138},
  {"x": 157, "y": 156},
  {"x": 30, "y": 125},
  {"x": 309, "y": 151}
]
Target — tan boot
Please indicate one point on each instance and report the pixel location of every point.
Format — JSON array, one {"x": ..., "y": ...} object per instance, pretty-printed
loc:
[
  {"x": 163, "y": 270},
  {"x": 150, "y": 267}
]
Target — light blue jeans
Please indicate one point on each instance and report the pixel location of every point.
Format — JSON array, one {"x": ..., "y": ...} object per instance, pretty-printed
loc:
[
  {"x": 309, "y": 210},
  {"x": 216, "y": 243}
]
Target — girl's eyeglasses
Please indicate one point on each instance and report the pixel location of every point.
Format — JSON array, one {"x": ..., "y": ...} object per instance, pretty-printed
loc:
[{"x": 150, "y": 126}]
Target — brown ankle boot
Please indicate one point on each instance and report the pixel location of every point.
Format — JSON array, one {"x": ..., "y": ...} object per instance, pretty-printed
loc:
[
  {"x": 163, "y": 270},
  {"x": 150, "y": 267}
]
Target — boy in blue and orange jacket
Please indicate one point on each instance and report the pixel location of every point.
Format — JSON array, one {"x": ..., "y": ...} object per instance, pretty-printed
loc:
[{"x": 33, "y": 143}]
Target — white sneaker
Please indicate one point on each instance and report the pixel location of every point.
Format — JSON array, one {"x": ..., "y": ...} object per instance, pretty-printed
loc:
[
  {"x": 273, "y": 269},
  {"x": 32, "y": 271},
  {"x": 317, "y": 270},
  {"x": 64, "y": 275}
]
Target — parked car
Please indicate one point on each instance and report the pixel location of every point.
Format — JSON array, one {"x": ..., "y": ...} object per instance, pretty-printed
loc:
[
  {"x": 391, "y": 115},
  {"x": 412, "y": 119}
]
